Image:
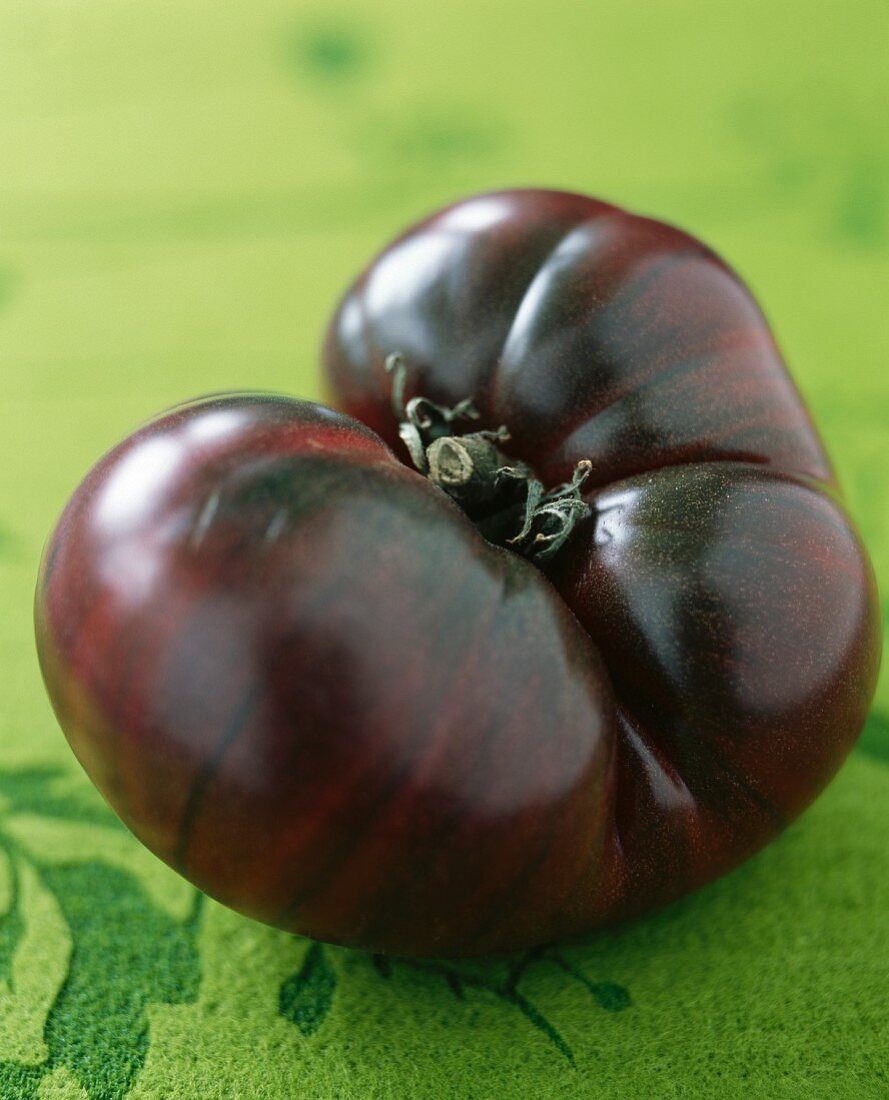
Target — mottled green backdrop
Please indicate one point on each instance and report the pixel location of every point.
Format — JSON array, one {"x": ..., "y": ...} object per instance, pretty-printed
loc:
[{"x": 185, "y": 186}]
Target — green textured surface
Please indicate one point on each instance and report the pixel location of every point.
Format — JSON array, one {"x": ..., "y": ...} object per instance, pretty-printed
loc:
[{"x": 185, "y": 187}]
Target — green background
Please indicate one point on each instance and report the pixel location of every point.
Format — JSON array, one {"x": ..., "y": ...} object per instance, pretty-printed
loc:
[{"x": 185, "y": 188}]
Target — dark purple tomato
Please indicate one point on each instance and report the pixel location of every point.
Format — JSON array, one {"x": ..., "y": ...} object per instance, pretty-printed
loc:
[{"x": 343, "y": 703}]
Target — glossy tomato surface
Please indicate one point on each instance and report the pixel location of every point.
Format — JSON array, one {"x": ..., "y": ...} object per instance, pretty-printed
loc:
[
  {"x": 718, "y": 575},
  {"x": 304, "y": 679}
]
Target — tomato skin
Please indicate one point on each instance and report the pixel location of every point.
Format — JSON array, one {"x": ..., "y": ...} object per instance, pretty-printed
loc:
[
  {"x": 719, "y": 576},
  {"x": 589, "y": 331},
  {"x": 302, "y": 678},
  {"x": 736, "y": 612}
]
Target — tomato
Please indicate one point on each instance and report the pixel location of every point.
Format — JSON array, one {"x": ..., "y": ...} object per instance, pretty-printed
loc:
[{"x": 434, "y": 677}]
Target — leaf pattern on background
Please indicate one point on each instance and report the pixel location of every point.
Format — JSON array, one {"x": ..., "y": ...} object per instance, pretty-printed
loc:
[
  {"x": 417, "y": 141},
  {"x": 72, "y": 928},
  {"x": 51, "y": 793},
  {"x": 330, "y": 52},
  {"x": 11, "y": 923},
  {"x": 39, "y": 946},
  {"x": 307, "y": 997},
  {"x": 820, "y": 146},
  {"x": 78, "y": 908},
  {"x": 874, "y": 741}
]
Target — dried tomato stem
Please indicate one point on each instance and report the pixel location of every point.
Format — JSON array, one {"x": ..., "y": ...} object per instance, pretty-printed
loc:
[{"x": 508, "y": 503}]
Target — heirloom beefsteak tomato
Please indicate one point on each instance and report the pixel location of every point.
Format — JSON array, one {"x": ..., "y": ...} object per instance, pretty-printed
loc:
[{"x": 608, "y": 637}]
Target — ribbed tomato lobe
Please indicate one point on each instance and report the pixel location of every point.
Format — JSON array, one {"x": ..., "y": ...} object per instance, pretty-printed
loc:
[
  {"x": 718, "y": 572},
  {"x": 589, "y": 331},
  {"x": 302, "y": 678},
  {"x": 733, "y": 607}
]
